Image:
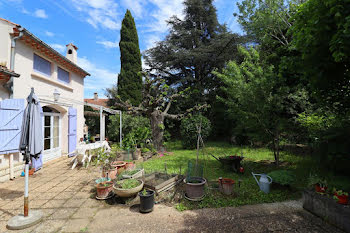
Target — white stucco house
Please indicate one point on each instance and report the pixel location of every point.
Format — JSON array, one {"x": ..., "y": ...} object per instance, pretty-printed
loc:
[{"x": 26, "y": 62}]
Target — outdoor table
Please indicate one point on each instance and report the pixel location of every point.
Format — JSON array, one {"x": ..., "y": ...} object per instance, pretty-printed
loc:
[{"x": 84, "y": 150}]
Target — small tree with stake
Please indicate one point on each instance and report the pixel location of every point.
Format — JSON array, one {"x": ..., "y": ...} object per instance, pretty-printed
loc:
[{"x": 155, "y": 105}]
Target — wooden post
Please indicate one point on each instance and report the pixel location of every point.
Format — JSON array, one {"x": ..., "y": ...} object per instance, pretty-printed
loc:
[
  {"x": 120, "y": 129},
  {"x": 101, "y": 124},
  {"x": 11, "y": 166}
]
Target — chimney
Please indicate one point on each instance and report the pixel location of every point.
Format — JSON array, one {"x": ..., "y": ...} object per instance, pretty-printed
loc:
[
  {"x": 95, "y": 96},
  {"x": 72, "y": 52}
]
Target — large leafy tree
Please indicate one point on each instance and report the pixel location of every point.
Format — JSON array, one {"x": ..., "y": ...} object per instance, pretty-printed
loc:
[
  {"x": 321, "y": 32},
  {"x": 157, "y": 98},
  {"x": 195, "y": 46},
  {"x": 267, "y": 21},
  {"x": 129, "y": 80},
  {"x": 254, "y": 99}
]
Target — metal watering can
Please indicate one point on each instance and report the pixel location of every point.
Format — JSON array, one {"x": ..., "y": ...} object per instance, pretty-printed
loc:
[{"x": 264, "y": 182}]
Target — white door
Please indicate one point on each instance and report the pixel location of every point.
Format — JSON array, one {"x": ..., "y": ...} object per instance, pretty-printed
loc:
[{"x": 52, "y": 136}]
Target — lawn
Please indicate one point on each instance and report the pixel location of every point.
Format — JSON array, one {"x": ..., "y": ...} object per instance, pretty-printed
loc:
[{"x": 258, "y": 160}]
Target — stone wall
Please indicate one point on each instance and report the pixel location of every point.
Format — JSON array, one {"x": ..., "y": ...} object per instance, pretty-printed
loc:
[{"x": 328, "y": 209}]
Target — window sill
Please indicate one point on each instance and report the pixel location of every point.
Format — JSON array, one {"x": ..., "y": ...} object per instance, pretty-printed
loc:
[{"x": 50, "y": 80}]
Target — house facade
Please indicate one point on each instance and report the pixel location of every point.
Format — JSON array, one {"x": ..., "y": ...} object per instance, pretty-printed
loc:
[{"x": 58, "y": 82}]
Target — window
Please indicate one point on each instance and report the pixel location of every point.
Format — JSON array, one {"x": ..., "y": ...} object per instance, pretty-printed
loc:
[
  {"x": 51, "y": 131},
  {"x": 62, "y": 75},
  {"x": 42, "y": 65}
]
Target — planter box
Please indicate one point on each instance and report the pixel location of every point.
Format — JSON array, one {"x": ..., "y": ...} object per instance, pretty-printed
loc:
[
  {"x": 161, "y": 182},
  {"x": 136, "y": 175},
  {"x": 328, "y": 209},
  {"x": 124, "y": 155}
]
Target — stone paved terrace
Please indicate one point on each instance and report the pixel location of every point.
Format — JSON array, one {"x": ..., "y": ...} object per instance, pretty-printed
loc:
[{"x": 64, "y": 196}]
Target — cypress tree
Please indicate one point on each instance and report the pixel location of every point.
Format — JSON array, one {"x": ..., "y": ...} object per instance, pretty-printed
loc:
[{"x": 129, "y": 79}]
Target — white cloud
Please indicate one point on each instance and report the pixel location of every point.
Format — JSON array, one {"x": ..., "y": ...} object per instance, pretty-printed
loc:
[
  {"x": 144, "y": 66},
  {"x": 99, "y": 13},
  {"x": 100, "y": 78},
  {"x": 58, "y": 47},
  {"x": 50, "y": 34},
  {"x": 24, "y": 11},
  {"x": 152, "y": 40},
  {"x": 165, "y": 10},
  {"x": 108, "y": 44},
  {"x": 40, "y": 13},
  {"x": 137, "y": 7}
]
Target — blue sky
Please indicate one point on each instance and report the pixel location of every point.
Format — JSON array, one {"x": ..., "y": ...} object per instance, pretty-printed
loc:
[{"x": 94, "y": 27}]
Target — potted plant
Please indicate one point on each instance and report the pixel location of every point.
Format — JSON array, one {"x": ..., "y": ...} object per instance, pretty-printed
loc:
[
  {"x": 195, "y": 187},
  {"x": 127, "y": 187},
  {"x": 119, "y": 165},
  {"x": 103, "y": 159},
  {"x": 146, "y": 201},
  {"x": 111, "y": 171},
  {"x": 319, "y": 184},
  {"x": 104, "y": 189},
  {"x": 129, "y": 166},
  {"x": 341, "y": 197},
  {"x": 102, "y": 179},
  {"x": 31, "y": 170}
]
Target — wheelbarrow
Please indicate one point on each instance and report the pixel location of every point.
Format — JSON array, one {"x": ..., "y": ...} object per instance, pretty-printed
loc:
[{"x": 233, "y": 161}]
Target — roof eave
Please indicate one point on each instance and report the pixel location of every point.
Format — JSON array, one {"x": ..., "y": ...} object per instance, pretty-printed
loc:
[{"x": 54, "y": 51}]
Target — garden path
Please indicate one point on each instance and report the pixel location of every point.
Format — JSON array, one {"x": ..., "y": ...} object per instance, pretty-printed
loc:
[{"x": 65, "y": 197}]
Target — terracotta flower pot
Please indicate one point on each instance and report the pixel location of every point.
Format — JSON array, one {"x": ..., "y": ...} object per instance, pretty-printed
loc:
[
  {"x": 31, "y": 171},
  {"x": 342, "y": 199},
  {"x": 129, "y": 166},
  {"x": 112, "y": 173},
  {"x": 320, "y": 189},
  {"x": 118, "y": 164},
  {"x": 104, "y": 188},
  {"x": 226, "y": 185}
]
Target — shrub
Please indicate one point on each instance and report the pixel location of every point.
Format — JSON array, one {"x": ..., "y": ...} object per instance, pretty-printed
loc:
[
  {"x": 135, "y": 129},
  {"x": 189, "y": 132},
  {"x": 282, "y": 177}
]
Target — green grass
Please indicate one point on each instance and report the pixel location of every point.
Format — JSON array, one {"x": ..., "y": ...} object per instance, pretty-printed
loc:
[{"x": 256, "y": 160}]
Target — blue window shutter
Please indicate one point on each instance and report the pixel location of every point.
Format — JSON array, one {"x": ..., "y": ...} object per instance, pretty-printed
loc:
[
  {"x": 42, "y": 65},
  {"x": 11, "y": 116},
  {"x": 62, "y": 75},
  {"x": 72, "y": 129}
]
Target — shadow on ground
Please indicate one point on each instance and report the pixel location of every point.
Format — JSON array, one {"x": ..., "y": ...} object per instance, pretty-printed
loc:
[{"x": 8, "y": 194}]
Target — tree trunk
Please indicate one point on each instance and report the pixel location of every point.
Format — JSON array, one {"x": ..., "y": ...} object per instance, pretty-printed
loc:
[
  {"x": 276, "y": 148},
  {"x": 157, "y": 126}
]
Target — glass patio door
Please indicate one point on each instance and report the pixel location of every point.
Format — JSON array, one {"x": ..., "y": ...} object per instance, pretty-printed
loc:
[{"x": 52, "y": 132}]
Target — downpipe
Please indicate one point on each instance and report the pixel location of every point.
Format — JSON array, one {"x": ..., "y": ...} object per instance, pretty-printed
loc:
[{"x": 9, "y": 84}]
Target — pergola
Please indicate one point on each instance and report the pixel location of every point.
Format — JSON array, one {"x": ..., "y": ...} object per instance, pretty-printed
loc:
[
  {"x": 70, "y": 102},
  {"x": 103, "y": 119}
]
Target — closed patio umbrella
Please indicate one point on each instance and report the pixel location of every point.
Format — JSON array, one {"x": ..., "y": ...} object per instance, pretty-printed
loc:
[
  {"x": 32, "y": 134},
  {"x": 31, "y": 145}
]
